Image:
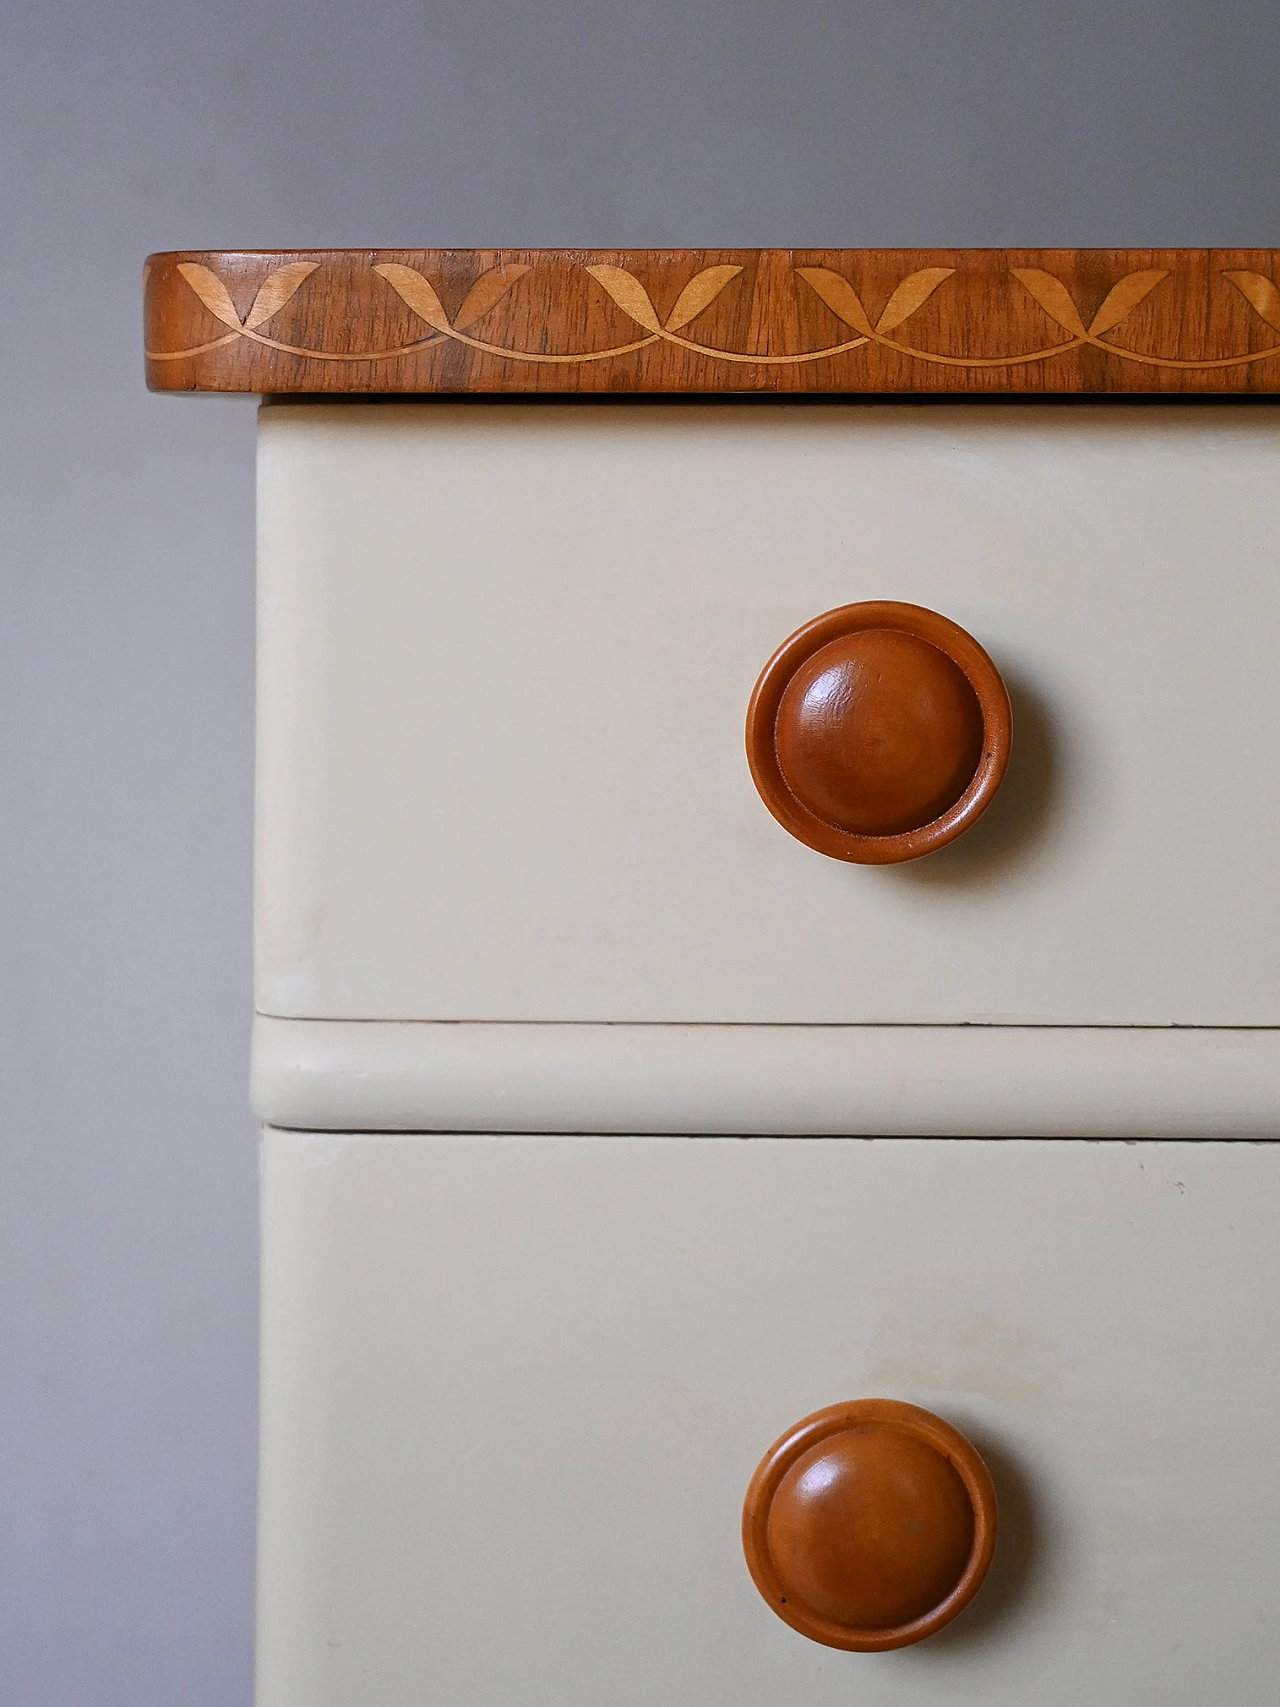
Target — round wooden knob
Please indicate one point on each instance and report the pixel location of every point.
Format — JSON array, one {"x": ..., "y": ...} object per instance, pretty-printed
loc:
[
  {"x": 869, "y": 1525},
  {"x": 878, "y": 732}
]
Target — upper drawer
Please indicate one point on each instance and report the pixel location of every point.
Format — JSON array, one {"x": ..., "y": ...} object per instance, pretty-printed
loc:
[{"x": 506, "y": 654}]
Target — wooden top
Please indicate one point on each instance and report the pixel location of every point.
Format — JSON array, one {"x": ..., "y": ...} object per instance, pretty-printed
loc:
[{"x": 960, "y": 321}]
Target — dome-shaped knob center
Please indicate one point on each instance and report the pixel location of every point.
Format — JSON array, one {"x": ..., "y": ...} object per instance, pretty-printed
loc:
[
  {"x": 879, "y": 732},
  {"x": 871, "y": 1528}
]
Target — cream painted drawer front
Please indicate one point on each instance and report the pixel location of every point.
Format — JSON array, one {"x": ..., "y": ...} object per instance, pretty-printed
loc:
[
  {"x": 514, "y": 1388},
  {"x": 506, "y": 655}
]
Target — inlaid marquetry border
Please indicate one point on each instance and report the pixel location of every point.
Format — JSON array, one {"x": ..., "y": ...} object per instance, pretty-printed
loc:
[{"x": 354, "y": 321}]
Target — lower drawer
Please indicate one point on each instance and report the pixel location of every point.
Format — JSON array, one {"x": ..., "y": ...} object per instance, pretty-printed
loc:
[{"x": 514, "y": 1389}]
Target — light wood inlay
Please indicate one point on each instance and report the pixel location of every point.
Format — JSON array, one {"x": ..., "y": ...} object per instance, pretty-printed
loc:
[{"x": 619, "y": 321}]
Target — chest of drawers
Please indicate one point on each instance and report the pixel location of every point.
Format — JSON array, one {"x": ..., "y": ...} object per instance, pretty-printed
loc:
[{"x": 610, "y": 1128}]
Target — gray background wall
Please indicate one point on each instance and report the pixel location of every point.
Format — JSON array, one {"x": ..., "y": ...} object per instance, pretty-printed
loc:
[{"x": 127, "y": 1215}]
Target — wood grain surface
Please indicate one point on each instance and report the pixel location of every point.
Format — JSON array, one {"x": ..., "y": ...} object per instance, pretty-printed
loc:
[
  {"x": 899, "y": 321},
  {"x": 870, "y": 1525},
  {"x": 878, "y": 732}
]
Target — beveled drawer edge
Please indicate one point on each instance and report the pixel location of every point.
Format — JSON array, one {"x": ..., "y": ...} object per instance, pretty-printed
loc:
[{"x": 781, "y": 1080}]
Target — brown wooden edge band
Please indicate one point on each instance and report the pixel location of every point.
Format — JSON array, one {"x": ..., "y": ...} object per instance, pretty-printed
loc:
[{"x": 838, "y": 321}]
